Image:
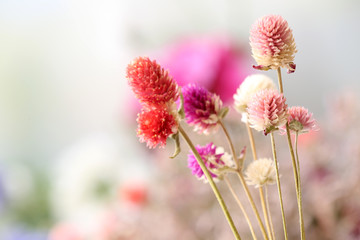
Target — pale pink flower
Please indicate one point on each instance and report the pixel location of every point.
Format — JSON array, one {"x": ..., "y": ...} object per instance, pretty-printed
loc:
[
  {"x": 300, "y": 120},
  {"x": 267, "y": 111},
  {"x": 272, "y": 43}
]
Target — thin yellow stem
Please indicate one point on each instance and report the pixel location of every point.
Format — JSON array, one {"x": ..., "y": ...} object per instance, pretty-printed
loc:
[
  {"x": 302, "y": 227},
  {"x": 266, "y": 216},
  {"x": 243, "y": 183},
  {"x": 252, "y": 203},
  {"x": 252, "y": 141},
  {"x": 261, "y": 192},
  {"x": 211, "y": 182},
  {"x": 280, "y": 80},
  {"x": 269, "y": 212},
  {"x": 241, "y": 207},
  {"x": 278, "y": 184},
  {"x": 229, "y": 142}
]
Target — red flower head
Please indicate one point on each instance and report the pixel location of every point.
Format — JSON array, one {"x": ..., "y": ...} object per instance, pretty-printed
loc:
[
  {"x": 155, "y": 126},
  {"x": 152, "y": 85}
]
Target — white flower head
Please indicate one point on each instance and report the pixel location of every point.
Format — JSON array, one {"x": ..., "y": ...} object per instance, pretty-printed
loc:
[
  {"x": 226, "y": 158},
  {"x": 261, "y": 172},
  {"x": 248, "y": 87}
]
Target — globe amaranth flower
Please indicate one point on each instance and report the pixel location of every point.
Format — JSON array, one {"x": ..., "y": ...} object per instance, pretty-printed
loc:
[
  {"x": 213, "y": 157},
  {"x": 267, "y": 110},
  {"x": 202, "y": 108},
  {"x": 261, "y": 172},
  {"x": 272, "y": 43},
  {"x": 155, "y": 126},
  {"x": 152, "y": 85},
  {"x": 300, "y": 120},
  {"x": 251, "y": 85}
]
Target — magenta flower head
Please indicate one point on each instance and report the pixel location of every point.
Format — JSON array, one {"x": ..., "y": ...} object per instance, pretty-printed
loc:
[
  {"x": 272, "y": 43},
  {"x": 202, "y": 108},
  {"x": 213, "y": 158},
  {"x": 155, "y": 126},
  {"x": 152, "y": 85},
  {"x": 267, "y": 111},
  {"x": 212, "y": 62},
  {"x": 300, "y": 120}
]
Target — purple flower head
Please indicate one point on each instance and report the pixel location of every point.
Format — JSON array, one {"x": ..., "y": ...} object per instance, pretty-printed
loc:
[
  {"x": 201, "y": 108},
  {"x": 210, "y": 155}
]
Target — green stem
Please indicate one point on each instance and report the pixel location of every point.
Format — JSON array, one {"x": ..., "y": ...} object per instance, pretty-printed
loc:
[
  {"x": 299, "y": 187},
  {"x": 295, "y": 168},
  {"x": 211, "y": 182},
  {"x": 278, "y": 183}
]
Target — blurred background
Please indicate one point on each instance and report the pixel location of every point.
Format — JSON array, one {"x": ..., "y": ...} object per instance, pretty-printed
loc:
[{"x": 71, "y": 166}]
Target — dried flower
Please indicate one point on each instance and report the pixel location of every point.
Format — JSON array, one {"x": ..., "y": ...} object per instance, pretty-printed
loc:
[
  {"x": 272, "y": 43},
  {"x": 267, "y": 110},
  {"x": 152, "y": 85},
  {"x": 251, "y": 85},
  {"x": 261, "y": 172},
  {"x": 202, "y": 108},
  {"x": 213, "y": 158},
  {"x": 300, "y": 120},
  {"x": 155, "y": 126}
]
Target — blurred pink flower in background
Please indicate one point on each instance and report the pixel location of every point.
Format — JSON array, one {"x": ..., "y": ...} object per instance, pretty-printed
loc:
[
  {"x": 214, "y": 63},
  {"x": 134, "y": 193},
  {"x": 64, "y": 231}
]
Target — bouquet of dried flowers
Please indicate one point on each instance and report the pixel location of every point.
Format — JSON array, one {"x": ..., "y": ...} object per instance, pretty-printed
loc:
[{"x": 262, "y": 107}]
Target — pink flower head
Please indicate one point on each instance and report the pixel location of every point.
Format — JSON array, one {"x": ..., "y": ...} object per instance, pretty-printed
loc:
[
  {"x": 272, "y": 43},
  {"x": 201, "y": 108},
  {"x": 300, "y": 120},
  {"x": 152, "y": 85},
  {"x": 155, "y": 126},
  {"x": 211, "y": 158},
  {"x": 267, "y": 110}
]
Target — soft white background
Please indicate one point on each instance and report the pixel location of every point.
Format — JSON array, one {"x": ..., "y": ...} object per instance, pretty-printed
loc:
[{"x": 62, "y": 63}]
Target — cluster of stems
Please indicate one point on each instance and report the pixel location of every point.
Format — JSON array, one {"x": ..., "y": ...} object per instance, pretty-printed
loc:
[{"x": 268, "y": 232}]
